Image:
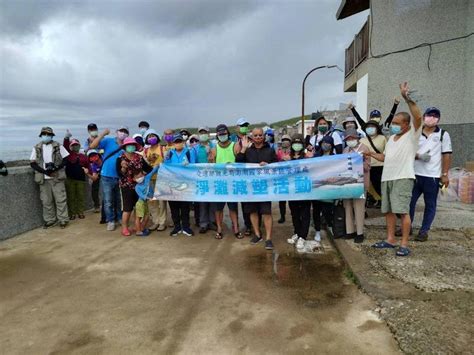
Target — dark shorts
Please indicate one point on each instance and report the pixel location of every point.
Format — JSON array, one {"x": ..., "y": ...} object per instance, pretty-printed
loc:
[
  {"x": 258, "y": 207},
  {"x": 129, "y": 199},
  {"x": 219, "y": 206}
]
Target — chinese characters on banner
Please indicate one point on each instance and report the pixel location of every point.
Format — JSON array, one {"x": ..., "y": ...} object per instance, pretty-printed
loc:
[{"x": 324, "y": 178}]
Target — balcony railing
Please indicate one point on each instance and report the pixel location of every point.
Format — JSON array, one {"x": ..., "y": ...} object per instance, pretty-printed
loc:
[{"x": 358, "y": 50}]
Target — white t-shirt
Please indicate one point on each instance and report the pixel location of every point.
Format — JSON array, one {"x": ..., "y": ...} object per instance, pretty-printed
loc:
[
  {"x": 435, "y": 148},
  {"x": 400, "y": 156},
  {"x": 48, "y": 155}
]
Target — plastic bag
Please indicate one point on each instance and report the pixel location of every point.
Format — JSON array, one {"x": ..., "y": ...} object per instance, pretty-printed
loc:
[
  {"x": 450, "y": 194},
  {"x": 466, "y": 187}
]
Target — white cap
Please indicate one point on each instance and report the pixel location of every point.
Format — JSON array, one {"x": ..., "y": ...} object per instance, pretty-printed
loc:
[{"x": 242, "y": 121}]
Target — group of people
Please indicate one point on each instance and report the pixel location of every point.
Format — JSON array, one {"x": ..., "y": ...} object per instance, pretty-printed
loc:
[{"x": 403, "y": 158}]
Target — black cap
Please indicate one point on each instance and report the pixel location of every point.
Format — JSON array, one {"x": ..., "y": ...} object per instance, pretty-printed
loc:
[
  {"x": 184, "y": 131},
  {"x": 222, "y": 127},
  {"x": 91, "y": 127},
  {"x": 144, "y": 124}
]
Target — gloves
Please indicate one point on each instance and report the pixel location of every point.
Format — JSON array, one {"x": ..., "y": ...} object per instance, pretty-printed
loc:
[
  {"x": 424, "y": 157},
  {"x": 68, "y": 134}
]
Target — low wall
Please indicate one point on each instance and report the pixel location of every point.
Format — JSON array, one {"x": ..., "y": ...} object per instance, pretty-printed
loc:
[{"x": 20, "y": 203}]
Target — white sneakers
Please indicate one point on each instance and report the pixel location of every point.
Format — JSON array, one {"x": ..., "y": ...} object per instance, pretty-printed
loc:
[
  {"x": 300, "y": 244},
  {"x": 317, "y": 236},
  {"x": 293, "y": 239},
  {"x": 111, "y": 226}
]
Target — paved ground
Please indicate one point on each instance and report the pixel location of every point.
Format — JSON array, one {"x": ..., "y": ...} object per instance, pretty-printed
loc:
[
  {"x": 85, "y": 290},
  {"x": 427, "y": 299}
]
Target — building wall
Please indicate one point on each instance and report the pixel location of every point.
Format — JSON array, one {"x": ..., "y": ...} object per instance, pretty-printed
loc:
[
  {"x": 20, "y": 202},
  {"x": 361, "y": 103},
  {"x": 449, "y": 85}
]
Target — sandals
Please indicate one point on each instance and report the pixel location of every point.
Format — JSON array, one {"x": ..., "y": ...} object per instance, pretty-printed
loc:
[
  {"x": 126, "y": 232},
  {"x": 383, "y": 245},
  {"x": 219, "y": 235},
  {"x": 403, "y": 251},
  {"x": 81, "y": 216},
  {"x": 248, "y": 232},
  {"x": 238, "y": 235}
]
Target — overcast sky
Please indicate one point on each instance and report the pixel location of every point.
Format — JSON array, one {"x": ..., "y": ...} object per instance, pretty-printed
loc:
[{"x": 174, "y": 63}]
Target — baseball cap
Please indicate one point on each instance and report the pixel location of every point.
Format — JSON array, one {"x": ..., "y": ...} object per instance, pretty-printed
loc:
[
  {"x": 144, "y": 124},
  {"x": 375, "y": 113},
  {"x": 242, "y": 121},
  {"x": 203, "y": 128},
  {"x": 46, "y": 130},
  {"x": 222, "y": 128},
  {"x": 92, "y": 151},
  {"x": 286, "y": 136},
  {"x": 177, "y": 137},
  {"x": 91, "y": 127},
  {"x": 123, "y": 128},
  {"x": 433, "y": 111}
]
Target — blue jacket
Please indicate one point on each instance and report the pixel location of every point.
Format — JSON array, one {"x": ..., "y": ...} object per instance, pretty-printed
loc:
[
  {"x": 185, "y": 157},
  {"x": 144, "y": 190}
]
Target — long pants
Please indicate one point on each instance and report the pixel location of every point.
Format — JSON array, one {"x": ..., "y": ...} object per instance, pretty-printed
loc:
[
  {"x": 429, "y": 187},
  {"x": 301, "y": 216},
  {"x": 376, "y": 178},
  {"x": 282, "y": 205},
  {"x": 248, "y": 223},
  {"x": 206, "y": 214},
  {"x": 355, "y": 215},
  {"x": 54, "y": 200},
  {"x": 75, "y": 190},
  {"x": 95, "y": 187},
  {"x": 158, "y": 211},
  {"x": 326, "y": 208},
  {"x": 180, "y": 213},
  {"x": 196, "y": 212},
  {"x": 111, "y": 198}
]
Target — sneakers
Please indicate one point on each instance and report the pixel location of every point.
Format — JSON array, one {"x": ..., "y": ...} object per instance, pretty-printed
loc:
[
  {"x": 359, "y": 238},
  {"x": 300, "y": 243},
  {"x": 293, "y": 239},
  {"x": 175, "y": 232},
  {"x": 317, "y": 236},
  {"x": 256, "y": 239},
  {"x": 203, "y": 230},
  {"x": 187, "y": 231},
  {"x": 350, "y": 236},
  {"x": 268, "y": 245},
  {"x": 49, "y": 224},
  {"x": 422, "y": 237},
  {"x": 161, "y": 227},
  {"x": 281, "y": 220},
  {"x": 63, "y": 224},
  {"x": 111, "y": 226}
]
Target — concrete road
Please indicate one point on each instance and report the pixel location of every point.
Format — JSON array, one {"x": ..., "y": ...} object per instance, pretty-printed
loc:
[{"x": 85, "y": 290}]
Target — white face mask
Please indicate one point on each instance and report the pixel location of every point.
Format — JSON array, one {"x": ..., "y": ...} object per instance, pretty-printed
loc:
[
  {"x": 94, "y": 133},
  {"x": 352, "y": 143}
]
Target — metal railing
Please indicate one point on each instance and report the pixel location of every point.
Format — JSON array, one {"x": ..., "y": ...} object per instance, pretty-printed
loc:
[{"x": 358, "y": 50}]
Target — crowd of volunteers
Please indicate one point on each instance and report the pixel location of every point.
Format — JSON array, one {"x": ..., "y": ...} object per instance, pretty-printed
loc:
[{"x": 404, "y": 156}]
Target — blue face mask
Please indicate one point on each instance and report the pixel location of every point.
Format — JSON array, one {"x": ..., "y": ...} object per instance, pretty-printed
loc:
[
  {"x": 371, "y": 131},
  {"x": 46, "y": 139},
  {"x": 395, "y": 129}
]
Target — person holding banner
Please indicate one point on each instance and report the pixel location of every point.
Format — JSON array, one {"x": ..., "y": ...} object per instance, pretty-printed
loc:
[
  {"x": 300, "y": 210},
  {"x": 180, "y": 209},
  {"x": 284, "y": 154},
  {"x": 261, "y": 153},
  {"x": 398, "y": 174},
  {"x": 224, "y": 153},
  {"x": 355, "y": 208}
]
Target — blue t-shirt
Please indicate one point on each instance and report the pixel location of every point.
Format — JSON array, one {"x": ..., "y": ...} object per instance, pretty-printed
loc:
[
  {"x": 109, "y": 145},
  {"x": 185, "y": 156}
]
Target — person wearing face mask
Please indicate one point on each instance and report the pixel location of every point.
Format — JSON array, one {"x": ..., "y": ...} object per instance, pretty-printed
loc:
[
  {"x": 154, "y": 155},
  {"x": 180, "y": 209},
  {"x": 77, "y": 167},
  {"x": 95, "y": 164},
  {"x": 109, "y": 175},
  {"x": 93, "y": 132},
  {"x": 185, "y": 134},
  {"x": 375, "y": 141},
  {"x": 300, "y": 210},
  {"x": 350, "y": 123},
  {"x": 143, "y": 126},
  {"x": 203, "y": 154},
  {"x": 259, "y": 152},
  {"x": 355, "y": 208},
  {"x": 375, "y": 115},
  {"x": 398, "y": 174},
  {"x": 129, "y": 164},
  {"x": 270, "y": 138},
  {"x": 144, "y": 188},
  {"x": 168, "y": 135},
  {"x": 324, "y": 148},
  {"x": 432, "y": 163},
  {"x": 323, "y": 128},
  {"x": 224, "y": 153},
  {"x": 48, "y": 159},
  {"x": 284, "y": 154}
]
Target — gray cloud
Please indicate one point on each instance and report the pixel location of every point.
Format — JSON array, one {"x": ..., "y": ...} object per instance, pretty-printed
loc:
[{"x": 176, "y": 63}]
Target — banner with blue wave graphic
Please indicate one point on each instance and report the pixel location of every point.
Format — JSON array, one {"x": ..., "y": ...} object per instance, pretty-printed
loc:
[{"x": 323, "y": 178}]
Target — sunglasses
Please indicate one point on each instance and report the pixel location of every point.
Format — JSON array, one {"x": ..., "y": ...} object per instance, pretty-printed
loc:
[
  {"x": 193, "y": 141},
  {"x": 257, "y": 135}
]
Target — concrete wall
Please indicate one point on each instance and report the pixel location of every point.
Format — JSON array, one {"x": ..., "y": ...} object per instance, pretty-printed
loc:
[
  {"x": 361, "y": 102},
  {"x": 20, "y": 204},
  {"x": 449, "y": 85}
]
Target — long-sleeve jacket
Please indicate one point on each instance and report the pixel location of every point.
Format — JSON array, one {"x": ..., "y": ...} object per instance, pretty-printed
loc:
[{"x": 388, "y": 120}]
